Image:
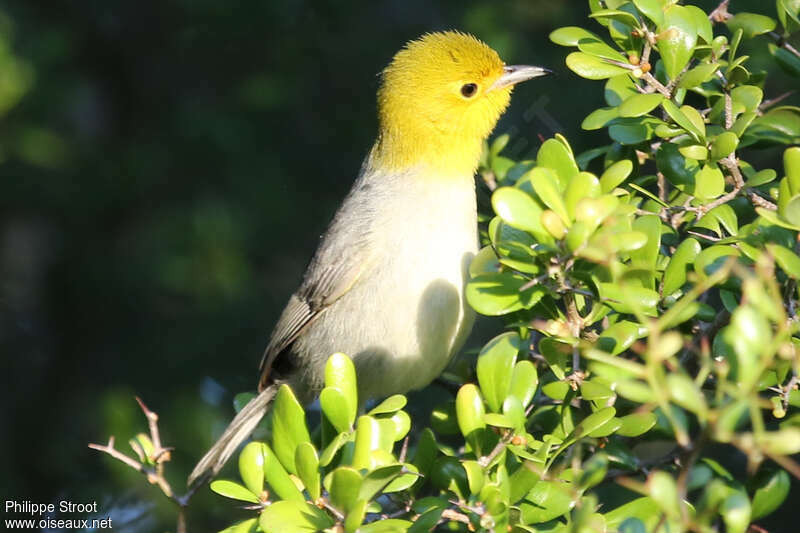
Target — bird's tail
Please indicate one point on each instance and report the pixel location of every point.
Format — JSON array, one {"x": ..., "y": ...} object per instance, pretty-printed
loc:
[{"x": 237, "y": 431}]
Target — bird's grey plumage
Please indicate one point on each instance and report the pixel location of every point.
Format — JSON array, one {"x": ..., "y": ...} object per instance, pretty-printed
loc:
[{"x": 342, "y": 256}]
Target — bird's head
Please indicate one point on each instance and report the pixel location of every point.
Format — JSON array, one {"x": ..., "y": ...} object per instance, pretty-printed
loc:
[{"x": 440, "y": 98}]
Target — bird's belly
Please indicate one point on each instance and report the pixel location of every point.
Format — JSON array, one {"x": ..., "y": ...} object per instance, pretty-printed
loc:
[{"x": 413, "y": 296}]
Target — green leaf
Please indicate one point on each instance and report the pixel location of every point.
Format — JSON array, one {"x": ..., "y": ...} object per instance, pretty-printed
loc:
[
  {"x": 515, "y": 412},
  {"x": 344, "y": 489},
  {"x": 786, "y": 259},
  {"x": 340, "y": 373},
  {"x": 751, "y": 24},
  {"x": 518, "y": 209},
  {"x": 675, "y": 273},
  {"x": 231, "y": 489},
  {"x": 599, "y": 118},
  {"x": 749, "y": 97},
  {"x": 630, "y": 131},
  {"x": 389, "y": 405},
  {"x": 735, "y": 511},
  {"x": 635, "y": 391},
  {"x": 619, "y": 89},
  {"x": 619, "y": 337},
  {"x": 288, "y": 426},
  {"x": 681, "y": 119},
  {"x": 636, "y": 424},
  {"x": 615, "y": 175},
  {"x": 664, "y": 492},
  {"x": 495, "y": 367},
  {"x": 336, "y": 409},
  {"x": 785, "y": 441},
  {"x": 642, "y": 509},
  {"x": 278, "y": 478},
  {"x": 524, "y": 380},
  {"x": 652, "y": 9},
  {"x": 251, "y": 467},
  {"x": 677, "y": 39},
  {"x": 594, "y": 470},
  {"x": 368, "y": 438},
  {"x": 570, "y": 35},
  {"x": 545, "y": 183},
  {"x": 499, "y": 294},
  {"x": 555, "y": 353},
  {"x": 593, "y": 211},
  {"x": 640, "y": 104},
  {"x": 545, "y": 501},
  {"x": 791, "y": 162},
  {"x": 598, "y": 48},
  {"x": 378, "y": 480},
  {"x": 593, "y": 391},
  {"x": 307, "y": 466},
  {"x": 771, "y": 490},
  {"x": 647, "y": 255},
  {"x": 332, "y": 448},
  {"x": 294, "y": 517},
  {"x": 469, "y": 410},
  {"x": 426, "y": 451},
  {"x": 789, "y": 14},
  {"x": 761, "y": 177},
  {"x": 593, "y": 68},
  {"x": 710, "y": 259},
  {"x": 685, "y": 393},
  {"x": 724, "y": 145},
  {"x": 557, "y": 156},
  {"x": 694, "y": 151},
  {"x": 787, "y": 60},
  {"x": 709, "y": 183},
  {"x": 698, "y": 75},
  {"x": 616, "y": 14},
  {"x": 592, "y": 422},
  {"x": 582, "y": 185},
  {"x": 629, "y": 298}
]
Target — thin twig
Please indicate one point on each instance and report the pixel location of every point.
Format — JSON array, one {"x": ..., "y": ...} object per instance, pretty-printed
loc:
[
  {"x": 155, "y": 473},
  {"x": 452, "y": 514}
]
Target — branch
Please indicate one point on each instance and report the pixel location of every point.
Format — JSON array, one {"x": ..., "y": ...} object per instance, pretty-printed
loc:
[{"x": 155, "y": 473}]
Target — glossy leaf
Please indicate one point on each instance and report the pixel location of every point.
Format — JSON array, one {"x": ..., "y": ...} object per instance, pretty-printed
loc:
[
  {"x": 289, "y": 427},
  {"x": 677, "y": 40},
  {"x": 615, "y": 175},
  {"x": 294, "y": 517},
  {"x": 495, "y": 368},
  {"x": 307, "y": 466},
  {"x": 571, "y": 35},
  {"x": 640, "y": 104},
  {"x": 251, "y": 467},
  {"x": 231, "y": 489},
  {"x": 340, "y": 373},
  {"x": 591, "y": 67},
  {"x": 771, "y": 490},
  {"x": 751, "y": 24},
  {"x": 636, "y": 424}
]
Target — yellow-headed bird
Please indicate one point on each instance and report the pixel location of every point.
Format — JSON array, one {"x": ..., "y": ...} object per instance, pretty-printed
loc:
[{"x": 386, "y": 285}]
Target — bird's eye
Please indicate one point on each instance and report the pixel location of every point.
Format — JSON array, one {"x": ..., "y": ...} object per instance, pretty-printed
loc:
[{"x": 468, "y": 90}]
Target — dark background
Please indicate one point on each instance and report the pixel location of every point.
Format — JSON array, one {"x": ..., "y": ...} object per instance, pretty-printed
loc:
[{"x": 164, "y": 178}]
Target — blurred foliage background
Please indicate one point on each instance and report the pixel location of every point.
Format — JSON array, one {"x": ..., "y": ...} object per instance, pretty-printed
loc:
[{"x": 166, "y": 169}]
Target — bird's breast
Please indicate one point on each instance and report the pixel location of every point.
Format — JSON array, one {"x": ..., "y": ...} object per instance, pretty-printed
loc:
[{"x": 409, "y": 301}]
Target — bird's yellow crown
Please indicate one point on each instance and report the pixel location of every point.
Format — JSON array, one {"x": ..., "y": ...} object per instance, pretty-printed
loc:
[{"x": 437, "y": 103}]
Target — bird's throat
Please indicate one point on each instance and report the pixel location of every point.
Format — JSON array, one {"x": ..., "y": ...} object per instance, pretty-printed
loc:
[{"x": 442, "y": 154}]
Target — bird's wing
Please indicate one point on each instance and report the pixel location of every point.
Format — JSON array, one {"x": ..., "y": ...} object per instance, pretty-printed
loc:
[{"x": 343, "y": 255}]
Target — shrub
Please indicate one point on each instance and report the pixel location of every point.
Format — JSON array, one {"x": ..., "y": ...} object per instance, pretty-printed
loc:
[{"x": 650, "y": 292}]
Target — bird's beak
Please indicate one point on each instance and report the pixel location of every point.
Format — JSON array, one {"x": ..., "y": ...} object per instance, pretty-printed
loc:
[{"x": 513, "y": 74}]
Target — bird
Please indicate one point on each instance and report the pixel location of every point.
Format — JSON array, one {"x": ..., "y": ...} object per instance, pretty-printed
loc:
[{"x": 386, "y": 284}]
